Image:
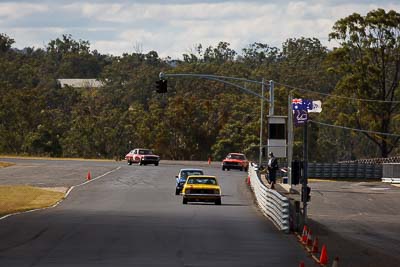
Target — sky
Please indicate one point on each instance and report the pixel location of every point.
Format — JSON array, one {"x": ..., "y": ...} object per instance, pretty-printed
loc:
[{"x": 172, "y": 28}]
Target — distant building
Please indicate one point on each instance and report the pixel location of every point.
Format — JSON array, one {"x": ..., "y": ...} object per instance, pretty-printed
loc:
[{"x": 80, "y": 83}]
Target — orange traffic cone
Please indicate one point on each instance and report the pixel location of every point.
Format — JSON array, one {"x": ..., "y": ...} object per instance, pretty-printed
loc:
[
  {"x": 304, "y": 234},
  {"x": 323, "y": 259},
  {"x": 309, "y": 239},
  {"x": 336, "y": 262},
  {"x": 315, "y": 246},
  {"x": 301, "y": 264},
  {"x": 89, "y": 176},
  {"x": 209, "y": 160}
]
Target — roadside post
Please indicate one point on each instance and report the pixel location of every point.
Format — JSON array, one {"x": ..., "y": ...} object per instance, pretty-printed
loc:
[
  {"x": 300, "y": 114},
  {"x": 304, "y": 184},
  {"x": 260, "y": 155}
]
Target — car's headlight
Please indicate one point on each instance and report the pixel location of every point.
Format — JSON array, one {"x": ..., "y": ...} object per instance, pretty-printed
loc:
[{"x": 216, "y": 191}]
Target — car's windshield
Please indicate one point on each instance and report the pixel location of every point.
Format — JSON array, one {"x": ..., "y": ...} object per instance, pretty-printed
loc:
[
  {"x": 185, "y": 174},
  {"x": 145, "y": 152},
  {"x": 236, "y": 156},
  {"x": 202, "y": 180}
]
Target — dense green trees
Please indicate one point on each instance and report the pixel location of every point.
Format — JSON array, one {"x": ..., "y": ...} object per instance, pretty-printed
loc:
[
  {"x": 200, "y": 118},
  {"x": 5, "y": 43},
  {"x": 369, "y": 64}
]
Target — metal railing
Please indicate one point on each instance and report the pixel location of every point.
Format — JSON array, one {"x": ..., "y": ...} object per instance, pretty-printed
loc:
[{"x": 272, "y": 204}]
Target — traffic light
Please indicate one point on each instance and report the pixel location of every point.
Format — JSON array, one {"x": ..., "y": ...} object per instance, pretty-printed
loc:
[
  {"x": 161, "y": 86},
  {"x": 297, "y": 167},
  {"x": 305, "y": 196}
]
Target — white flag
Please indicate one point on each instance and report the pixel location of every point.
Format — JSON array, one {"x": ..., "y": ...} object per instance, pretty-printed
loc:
[{"x": 316, "y": 106}]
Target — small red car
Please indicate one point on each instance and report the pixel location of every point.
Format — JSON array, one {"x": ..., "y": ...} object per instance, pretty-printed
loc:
[
  {"x": 235, "y": 161},
  {"x": 142, "y": 156}
]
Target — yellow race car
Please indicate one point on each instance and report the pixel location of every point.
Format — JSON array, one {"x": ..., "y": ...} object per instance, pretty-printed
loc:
[{"x": 201, "y": 188}]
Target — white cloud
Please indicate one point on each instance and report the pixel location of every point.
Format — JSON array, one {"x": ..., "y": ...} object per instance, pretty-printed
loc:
[
  {"x": 105, "y": 12},
  {"x": 33, "y": 37},
  {"x": 135, "y": 12},
  {"x": 116, "y": 47},
  {"x": 139, "y": 35},
  {"x": 172, "y": 29},
  {"x": 12, "y": 11}
]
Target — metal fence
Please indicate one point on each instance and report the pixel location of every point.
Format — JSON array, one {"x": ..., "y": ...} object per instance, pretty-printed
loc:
[
  {"x": 395, "y": 159},
  {"x": 345, "y": 170},
  {"x": 274, "y": 205},
  {"x": 391, "y": 170},
  {"x": 391, "y": 173}
]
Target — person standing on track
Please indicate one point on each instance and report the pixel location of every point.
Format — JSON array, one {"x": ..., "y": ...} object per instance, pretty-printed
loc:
[{"x": 272, "y": 168}]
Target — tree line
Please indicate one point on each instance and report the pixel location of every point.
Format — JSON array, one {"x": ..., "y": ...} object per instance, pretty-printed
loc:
[{"x": 358, "y": 83}]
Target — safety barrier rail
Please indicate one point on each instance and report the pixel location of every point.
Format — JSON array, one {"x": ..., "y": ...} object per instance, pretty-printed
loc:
[{"x": 273, "y": 205}]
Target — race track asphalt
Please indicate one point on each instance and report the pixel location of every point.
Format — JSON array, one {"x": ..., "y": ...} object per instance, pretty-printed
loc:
[{"x": 131, "y": 217}]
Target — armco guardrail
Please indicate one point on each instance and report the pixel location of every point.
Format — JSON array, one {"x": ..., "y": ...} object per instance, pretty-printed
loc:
[
  {"x": 274, "y": 205},
  {"x": 344, "y": 170}
]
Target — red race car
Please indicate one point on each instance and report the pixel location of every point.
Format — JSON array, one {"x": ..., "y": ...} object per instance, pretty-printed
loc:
[
  {"x": 142, "y": 156},
  {"x": 235, "y": 161}
]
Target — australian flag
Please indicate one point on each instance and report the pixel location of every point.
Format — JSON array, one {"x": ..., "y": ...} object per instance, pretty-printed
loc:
[{"x": 301, "y": 104}]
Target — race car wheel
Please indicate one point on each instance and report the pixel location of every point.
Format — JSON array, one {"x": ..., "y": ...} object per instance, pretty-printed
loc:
[
  {"x": 223, "y": 168},
  {"x": 218, "y": 202},
  {"x": 156, "y": 164},
  {"x": 184, "y": 201},
  {"x": 129, "y": 162},
  {"x": 241, "y": 169},
  {"x": 140, "y": 162}
]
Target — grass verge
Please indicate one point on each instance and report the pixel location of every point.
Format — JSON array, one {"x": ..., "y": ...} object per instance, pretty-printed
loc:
[
  {"x": 17, "y": 198},
  {"x": 5, "y": 164}
]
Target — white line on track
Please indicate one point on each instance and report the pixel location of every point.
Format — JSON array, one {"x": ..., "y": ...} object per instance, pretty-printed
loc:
[{"x": 66, "y": 195}]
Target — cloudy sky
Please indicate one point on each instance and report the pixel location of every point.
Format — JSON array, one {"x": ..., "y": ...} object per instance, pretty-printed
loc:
[{"x": 174, "y": 27}]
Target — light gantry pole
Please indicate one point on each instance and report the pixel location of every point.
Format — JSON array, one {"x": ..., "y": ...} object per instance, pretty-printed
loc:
[{"x": 223, "y": 79}]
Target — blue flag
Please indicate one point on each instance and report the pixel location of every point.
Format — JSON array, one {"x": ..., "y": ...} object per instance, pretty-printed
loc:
[{"x": 301, "y": 104}]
